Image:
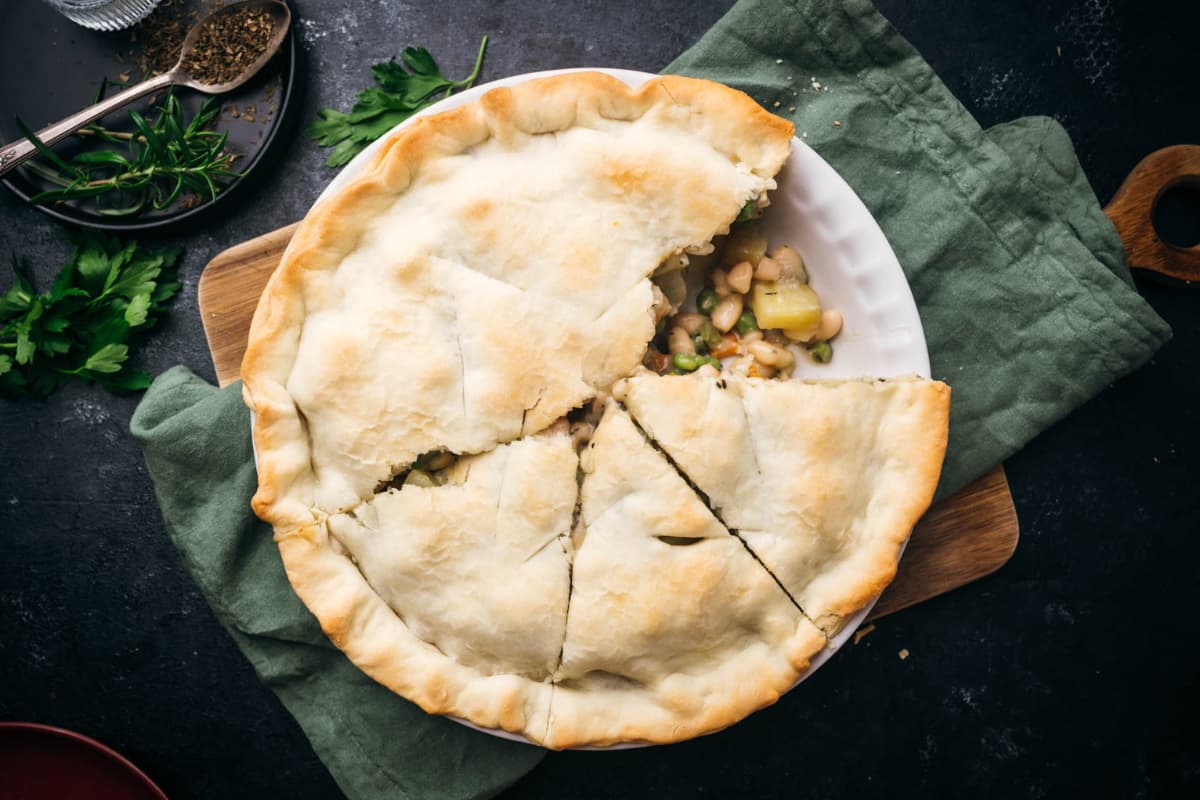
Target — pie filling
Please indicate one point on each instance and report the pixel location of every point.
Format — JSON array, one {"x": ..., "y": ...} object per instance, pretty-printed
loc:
[
  {"x": 755, "y": 312},
  {"x": 430, "y": 469}
]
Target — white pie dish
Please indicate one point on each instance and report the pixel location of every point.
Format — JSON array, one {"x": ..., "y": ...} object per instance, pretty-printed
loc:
[{"x": 851, "y": 265}]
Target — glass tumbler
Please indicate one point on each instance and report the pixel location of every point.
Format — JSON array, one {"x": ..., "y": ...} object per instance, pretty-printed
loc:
[{"x": 104, "y": 15}]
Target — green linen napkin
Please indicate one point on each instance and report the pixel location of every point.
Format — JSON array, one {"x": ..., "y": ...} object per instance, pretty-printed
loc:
[
  {"x": 1027, "y": 305},
  {"x": 375, "y": 744}
]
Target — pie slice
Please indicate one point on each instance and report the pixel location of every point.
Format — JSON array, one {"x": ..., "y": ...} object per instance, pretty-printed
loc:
[
  {"x": 449, "y": 360},
  {"x": 822, "y": 480},
  {"x": 455, "y": 595},
  {"x": 673, "y": 629},
  {"x": 486, "y": 274}
]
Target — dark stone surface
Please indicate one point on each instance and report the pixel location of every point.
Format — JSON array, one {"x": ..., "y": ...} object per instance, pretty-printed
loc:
[{"x": 1071, "y": 672}]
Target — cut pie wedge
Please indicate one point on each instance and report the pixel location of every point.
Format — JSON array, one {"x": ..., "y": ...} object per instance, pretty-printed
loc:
[
  {"x": 674, "y": 629},
  {"x": 455, "y": 595},
  {"x": 822, "y": 480}
]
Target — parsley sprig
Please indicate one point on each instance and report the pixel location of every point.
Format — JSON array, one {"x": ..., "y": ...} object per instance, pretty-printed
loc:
[
  {"x": 154, "y": 164},
  {"x": 397, "y": 97},
  {"x": 83, "y": 328}
]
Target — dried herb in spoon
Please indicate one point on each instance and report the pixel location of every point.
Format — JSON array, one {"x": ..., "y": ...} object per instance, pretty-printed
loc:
[{"x": 229, "y": 41}]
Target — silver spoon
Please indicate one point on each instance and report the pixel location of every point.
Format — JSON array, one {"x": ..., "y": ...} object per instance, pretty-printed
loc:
[{"x": 19, "y": 151}]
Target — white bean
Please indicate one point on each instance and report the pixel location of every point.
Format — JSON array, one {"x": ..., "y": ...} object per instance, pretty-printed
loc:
[
  {"x": 831, "y": 325},
  {"x": 768, "y": 269},
  {"x": 769, "y": 354},
  {"x": 790, "y": 262},
  {"x": 662, "y": 305},
  {"x": 720, "y": 282},
  {"x": 690, "y": 322},
  {"x": 678, "y": 341},
  {"x": 726, "y": 314},
  {"x": 740, "y": 276}
]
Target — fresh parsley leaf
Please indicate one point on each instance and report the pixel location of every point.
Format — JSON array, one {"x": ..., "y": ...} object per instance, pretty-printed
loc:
[
  {"x": 420, "y": 61},
  {"x": 91, "y": 265},
  {"x": 127, "y": 380},
  {"x": 19, "y": 295},
  {"x": 398, "y": 95},
  {"x": 25, "y": 346},
  {"x": 84, "y": 328},
  {"x": 108, "y": 358},
  {"x": 136, "y": 311},
  {"x": 327, "y": 128}
]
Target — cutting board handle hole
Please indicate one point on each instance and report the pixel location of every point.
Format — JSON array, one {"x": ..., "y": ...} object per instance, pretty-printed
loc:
[{"x": 1177, "y": 213}]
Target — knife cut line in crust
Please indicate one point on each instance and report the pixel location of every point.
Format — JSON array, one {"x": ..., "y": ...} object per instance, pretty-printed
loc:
[{"x": 704, "y": 498}]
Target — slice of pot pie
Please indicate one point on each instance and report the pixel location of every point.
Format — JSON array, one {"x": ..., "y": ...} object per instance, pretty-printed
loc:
[
  {"x": 822, "y": 480},
  {"x": 453, "y": 590},
  {"x": 673, "y": 629}
]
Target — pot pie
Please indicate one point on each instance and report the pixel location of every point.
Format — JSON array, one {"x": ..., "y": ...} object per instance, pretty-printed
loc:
[{"x": 515, "y": 480}]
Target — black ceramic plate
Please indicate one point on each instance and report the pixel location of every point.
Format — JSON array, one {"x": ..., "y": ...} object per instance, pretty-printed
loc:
[{"x": 50, "y": 68}]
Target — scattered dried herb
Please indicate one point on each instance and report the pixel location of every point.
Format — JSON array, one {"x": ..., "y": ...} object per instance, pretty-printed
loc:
[
  {"x": 229, "y": 41},
  {"x": 163, "y": 158},
  {"x": 380, "y": 108},
  {"x": 160, "y": 36},
  {"x": 107, "y": 295}
]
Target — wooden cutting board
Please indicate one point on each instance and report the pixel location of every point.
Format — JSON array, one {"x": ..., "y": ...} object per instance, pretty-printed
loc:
[{"x": 959, "y": 540}]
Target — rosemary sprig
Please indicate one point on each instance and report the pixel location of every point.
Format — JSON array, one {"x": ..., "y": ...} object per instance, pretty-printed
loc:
[{"x": 162, "y": 158}]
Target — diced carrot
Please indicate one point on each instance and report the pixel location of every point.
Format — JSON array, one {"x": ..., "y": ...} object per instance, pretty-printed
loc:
[{"x": 728, "y": 346}]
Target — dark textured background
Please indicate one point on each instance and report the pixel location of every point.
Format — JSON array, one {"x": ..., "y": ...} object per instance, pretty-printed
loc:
[{"x": 1071, "y": 672}]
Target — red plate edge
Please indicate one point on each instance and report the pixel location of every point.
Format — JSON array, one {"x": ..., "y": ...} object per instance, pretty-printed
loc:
[{"x": 38, "y": 730}]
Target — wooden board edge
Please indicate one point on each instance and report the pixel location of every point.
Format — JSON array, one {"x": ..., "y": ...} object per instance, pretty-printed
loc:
[
  {"x": 999, "y": 505},
  {"x": 223, "y": 266}
]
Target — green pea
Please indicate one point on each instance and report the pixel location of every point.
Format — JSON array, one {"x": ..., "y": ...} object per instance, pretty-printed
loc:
[
  {"x": 685, "y": 362},
  {"x": 706, "y": 301},
  {"x": 822, "y": 352},
  {"x": 700, "y": 344},
  {"x": 710, "y": 335},
  {"x": 746, "y": 322},
  {"x": 749, "y": 211}
]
